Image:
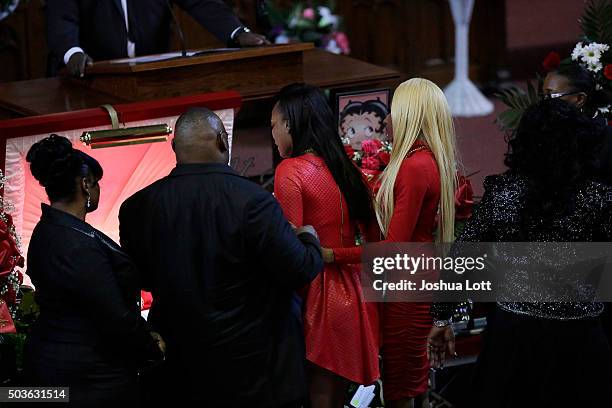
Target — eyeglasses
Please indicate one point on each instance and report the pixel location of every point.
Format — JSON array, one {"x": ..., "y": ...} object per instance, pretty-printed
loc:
[
  {"x": 223, "y": 134},
  {"x": 547, "y": 96}
]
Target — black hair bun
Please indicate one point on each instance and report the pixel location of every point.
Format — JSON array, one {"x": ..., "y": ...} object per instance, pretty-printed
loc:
[{"x": 53, "y": 161}]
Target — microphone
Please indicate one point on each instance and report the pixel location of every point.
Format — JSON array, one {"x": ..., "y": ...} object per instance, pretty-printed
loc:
[
  {"x": 178, "y": 29},
  {"x": 262, "y": 17}
]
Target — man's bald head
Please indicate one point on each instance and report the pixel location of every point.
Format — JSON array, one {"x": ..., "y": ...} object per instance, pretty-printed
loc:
[{"x": 200, "y": 137}]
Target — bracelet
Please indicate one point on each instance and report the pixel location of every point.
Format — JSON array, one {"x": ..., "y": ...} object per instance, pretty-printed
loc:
[
  {"x": 442, "y": 323},
  {"x": 239, "y": 31}
]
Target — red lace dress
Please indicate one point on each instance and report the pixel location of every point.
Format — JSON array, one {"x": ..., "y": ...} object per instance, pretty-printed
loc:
[
  {"x": 405, "y": 326},
  {"x": 341, "y": 331}
]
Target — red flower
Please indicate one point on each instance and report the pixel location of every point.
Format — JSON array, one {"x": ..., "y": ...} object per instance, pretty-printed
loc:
[
  {"x": 551, "y": 62},
  {"x": 9, "y": 253},
  {"x": 370, "y": 163},
  {"x": 4, "y": 230},
  {"x": 371, "y": 146},
  {"x": 385, "y": 158},
  {"x": 608, "y": 71},
  {"x": 464, "y": 199},
  {"x": 350, "y": 152}
]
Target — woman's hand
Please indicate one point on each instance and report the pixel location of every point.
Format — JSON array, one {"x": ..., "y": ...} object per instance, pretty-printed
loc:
[
  {"x": 441, "y": 340},
  {"x": 160, "y": 342},
  {"x": 328, "y": 255}
]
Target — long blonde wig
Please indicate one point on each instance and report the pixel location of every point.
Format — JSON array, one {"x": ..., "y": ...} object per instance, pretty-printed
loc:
[{"x": 420, "y": 110}]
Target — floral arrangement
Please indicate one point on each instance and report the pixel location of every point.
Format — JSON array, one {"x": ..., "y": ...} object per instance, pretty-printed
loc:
[
  {"x": 590, "y": 57},
  {"x": 18, "y": 309},
  {"x": 373, "y": 157},
  {"x": 10, "y": 259},
  {"x": 309, "y": 21},
  {"x": 593, "y": 53}
]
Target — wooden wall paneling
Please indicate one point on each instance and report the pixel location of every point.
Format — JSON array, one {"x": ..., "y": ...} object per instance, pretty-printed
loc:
[{"x": 23, "y": 46}]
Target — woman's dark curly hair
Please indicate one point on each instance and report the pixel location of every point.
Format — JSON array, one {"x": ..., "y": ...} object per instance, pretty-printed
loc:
[
  {"x": 554, "y": 148},
  {"x": 56, "y": 165}
]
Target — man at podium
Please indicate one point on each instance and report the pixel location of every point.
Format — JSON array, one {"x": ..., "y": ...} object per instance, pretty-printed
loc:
[{"x": 81, "y": 31}]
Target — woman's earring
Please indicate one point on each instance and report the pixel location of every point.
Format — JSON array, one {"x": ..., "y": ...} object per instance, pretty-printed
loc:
[{"x": 88, "y": 200}]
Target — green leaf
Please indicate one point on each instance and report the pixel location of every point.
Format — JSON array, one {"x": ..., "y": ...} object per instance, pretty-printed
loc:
[
  {"x": 596, "y": 21},
  {"x": 533, "y": 95},
  {"x": 509, "y": 120}
]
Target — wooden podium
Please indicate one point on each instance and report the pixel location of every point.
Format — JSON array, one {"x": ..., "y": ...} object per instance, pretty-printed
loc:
[
  {"x": 256, "y": 73},
  {"x": 251, "y": 71}
]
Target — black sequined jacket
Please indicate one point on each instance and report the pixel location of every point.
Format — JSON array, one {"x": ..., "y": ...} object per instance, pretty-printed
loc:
[{"x": 498, "y": 219}]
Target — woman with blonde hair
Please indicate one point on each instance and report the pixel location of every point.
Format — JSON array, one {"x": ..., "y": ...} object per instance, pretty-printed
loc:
[{"x": 415, "y": 203}]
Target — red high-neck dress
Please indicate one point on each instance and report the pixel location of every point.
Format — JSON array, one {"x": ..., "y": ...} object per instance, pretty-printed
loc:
[
  {"x": 405, "y": 326},
  {"x": 341, "y": 330}
]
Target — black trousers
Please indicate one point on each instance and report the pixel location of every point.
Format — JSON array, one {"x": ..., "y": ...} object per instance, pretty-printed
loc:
[{"x": 164, "y": 386}]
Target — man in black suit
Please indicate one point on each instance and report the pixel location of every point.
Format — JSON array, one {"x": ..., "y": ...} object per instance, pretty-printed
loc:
[
  {"x": 222, "y": 263},
  {"x": 80, "y": 31}
]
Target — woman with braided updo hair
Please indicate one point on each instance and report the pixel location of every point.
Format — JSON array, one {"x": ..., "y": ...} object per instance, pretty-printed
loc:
[{"x": 89, "y": 335}]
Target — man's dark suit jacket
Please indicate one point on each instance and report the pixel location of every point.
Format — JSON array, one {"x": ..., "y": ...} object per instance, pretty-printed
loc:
[
  {"x": 222, "y": 263},
  {"x": 98, "y": 26}
]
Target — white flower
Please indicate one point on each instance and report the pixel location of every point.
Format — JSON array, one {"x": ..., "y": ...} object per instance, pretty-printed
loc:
[
  {"x": 324, "y": 11},
  {"x": 601, "y": 47},
  {"x": 281, "y": 39},
  {"x": 594, "y": 66},
  {"x": 327, "y": 18},
  {"x": 577, "y": 53},
  {"x": 332, "y": 46},
  {"x": 604, "y": 109},
  {"x": 293, "y": 22},
  {"x": 591, "y": 54}
]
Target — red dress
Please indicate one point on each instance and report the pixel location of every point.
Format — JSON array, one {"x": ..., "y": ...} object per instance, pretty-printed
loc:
[
  {"x": 341, "y": 330},
  {"x": 405, "y": 326}
]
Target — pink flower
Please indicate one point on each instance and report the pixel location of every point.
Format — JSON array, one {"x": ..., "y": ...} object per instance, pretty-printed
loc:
[
  {"x": 370, "y": 163},
  {"x": 342, "y": 41},
  {"x": 308, "y": 13},
  {"x": 371, "y": 146}
]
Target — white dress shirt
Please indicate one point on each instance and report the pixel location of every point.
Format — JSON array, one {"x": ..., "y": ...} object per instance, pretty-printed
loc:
[{"x": 131, "y": 47}]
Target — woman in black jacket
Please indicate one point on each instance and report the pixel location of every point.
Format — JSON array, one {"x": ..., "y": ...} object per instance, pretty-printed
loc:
[
  {"x": 542, "y": 347},
  {"x": 89, "y": 335}
]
